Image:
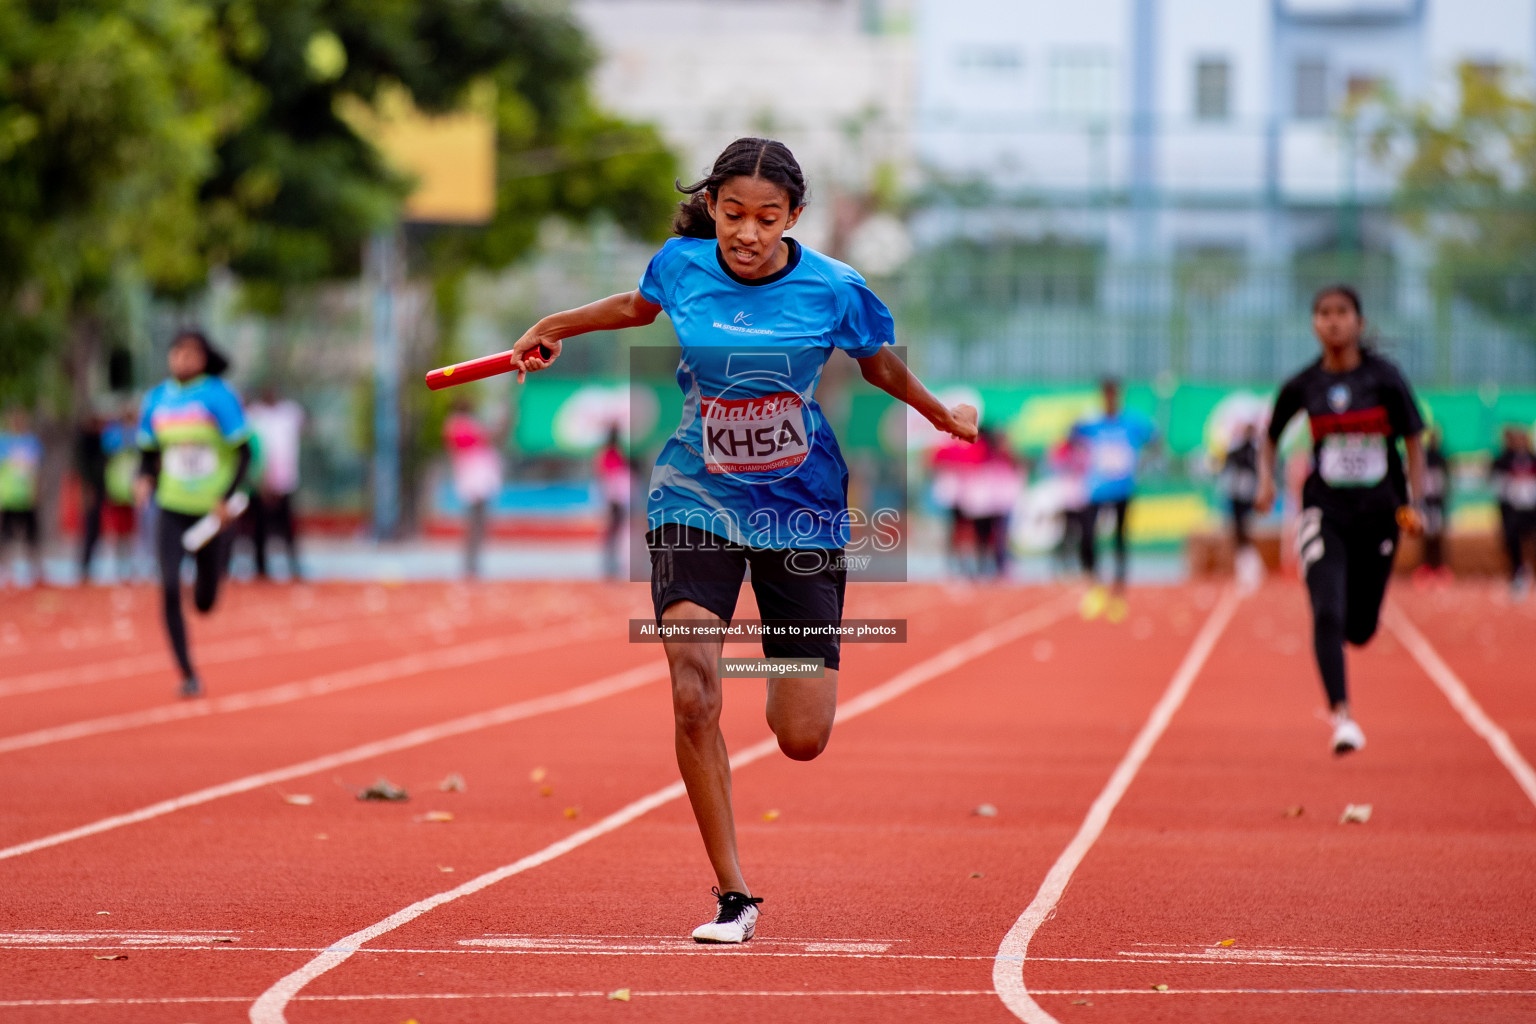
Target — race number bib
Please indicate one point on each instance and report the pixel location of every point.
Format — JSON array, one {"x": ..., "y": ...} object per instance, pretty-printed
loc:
[
  {"x": 1113, "y": 460},
  {"x": 1353, "y": 460},
  {"x": 1521, "y": 491},
  {"x": 754, "y": 435},
  {"x": 190, "y": 462}
]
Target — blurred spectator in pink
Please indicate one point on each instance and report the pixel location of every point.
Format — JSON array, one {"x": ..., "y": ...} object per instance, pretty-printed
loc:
[
  {"x": 278, "y": 424},
  {"x": 475, "y": 462},
  {"x": 613, "y": 473},
  {"x": 990, "y": 488},
  {"x": 949, "y": 465},
  {"x": 1068, "y": 462}
]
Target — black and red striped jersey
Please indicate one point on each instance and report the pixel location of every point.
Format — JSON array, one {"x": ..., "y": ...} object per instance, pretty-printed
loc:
[{"x": 1356, "y": 419}]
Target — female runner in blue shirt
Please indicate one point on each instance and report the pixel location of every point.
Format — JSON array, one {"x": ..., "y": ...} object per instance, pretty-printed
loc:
[{"x": 753, "y": 475}]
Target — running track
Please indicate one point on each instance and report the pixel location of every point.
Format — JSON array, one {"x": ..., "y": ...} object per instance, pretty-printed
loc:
[{"x": 1142, "y": 775}]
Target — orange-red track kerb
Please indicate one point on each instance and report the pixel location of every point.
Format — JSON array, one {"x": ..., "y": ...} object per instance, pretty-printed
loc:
[{"x": 886, "y": 896}]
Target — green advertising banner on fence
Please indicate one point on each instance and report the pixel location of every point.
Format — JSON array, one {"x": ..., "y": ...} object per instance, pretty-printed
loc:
[{"x": 571, "y": 417}]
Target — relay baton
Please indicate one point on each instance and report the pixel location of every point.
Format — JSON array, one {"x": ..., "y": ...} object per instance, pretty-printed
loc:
[
  {"x": 205, "y": 529},
  {"x": 476, "y": 369}
]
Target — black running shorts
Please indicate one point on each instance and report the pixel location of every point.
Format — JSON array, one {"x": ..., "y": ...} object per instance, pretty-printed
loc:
[{"x": 803, "y": 585}]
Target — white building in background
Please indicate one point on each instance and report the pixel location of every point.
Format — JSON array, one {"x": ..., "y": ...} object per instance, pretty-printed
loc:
[
  {"x": 832, "y": 78},
  {"x": 1165, "y": 125}
]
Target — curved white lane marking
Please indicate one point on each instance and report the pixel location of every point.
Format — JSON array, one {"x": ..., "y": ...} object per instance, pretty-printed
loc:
[
  {"x": 1462, "y": 700},
  {"x": 1008, "y": 965},
  {"x": 285, "y": 693},
  {"x": 271, "y": 1006},
  {"x": 416, "y": 737}
]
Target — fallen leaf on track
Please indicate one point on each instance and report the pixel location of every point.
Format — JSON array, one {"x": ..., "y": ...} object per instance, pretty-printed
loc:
[
  {"x": 445, "y": 870},
  {"x": 298, "y": 799},
  {"x": 546, "y": 791},
  {"x": 572, "y": 812},
  {"x": 985, "y": 811},
  {"x": 1226, "y": 942},
  {"x": 222, "y": 938},
  {"x": 1081, "y": 1002},
  {"x": 977, "y": 874},
  {"x": 1357, "y": 813},
  {"x": 454, "y": 783},
  {"x": 103, "y": 911},
  {"x": 538, "y": 775},
  {"x": 1160, "y": 988},
  {"x": 771, "y": 815},
  {"x": 1295, "y": 811},
  {"x": 383, "y": 789},
  {"x": 620, "y": 994},
  {"x": 435, "y": 816},
  {"x": 112, "y": 956}
]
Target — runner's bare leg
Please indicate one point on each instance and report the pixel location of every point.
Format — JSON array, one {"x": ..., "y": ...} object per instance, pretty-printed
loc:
[{"x": 701, "y": 754}]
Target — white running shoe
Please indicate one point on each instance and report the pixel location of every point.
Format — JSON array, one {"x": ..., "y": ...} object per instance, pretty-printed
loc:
[
  {"x": 735, "y": 922},
  {"x": 1347, "y": 736}
]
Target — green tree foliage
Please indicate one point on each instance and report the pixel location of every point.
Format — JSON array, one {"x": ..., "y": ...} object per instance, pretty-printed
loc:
[
  {"x": 298, "y": 189},
  {"x": 109, "y": 113},
  {"x": 1468, "y": 182},
  {"x": 159, "y": 138}
]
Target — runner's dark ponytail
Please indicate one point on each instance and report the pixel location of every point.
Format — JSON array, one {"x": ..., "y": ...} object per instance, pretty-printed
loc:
[{"x": 745, "y": 158}]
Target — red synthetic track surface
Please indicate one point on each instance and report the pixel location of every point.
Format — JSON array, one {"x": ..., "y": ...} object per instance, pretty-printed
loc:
[{"x": 887, "y": 897}]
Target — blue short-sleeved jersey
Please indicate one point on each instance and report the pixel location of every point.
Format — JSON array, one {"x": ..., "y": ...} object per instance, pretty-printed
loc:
[
  {"x": 753, "y": 459},
  {"x": 1114, "y": 445},
  {"x": 196, "y": 426}
]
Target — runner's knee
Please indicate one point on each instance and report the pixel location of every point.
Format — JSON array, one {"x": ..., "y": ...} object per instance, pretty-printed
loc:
[
  {"x": 695, "y": 695},
  {"x": 803, "y": 744}
]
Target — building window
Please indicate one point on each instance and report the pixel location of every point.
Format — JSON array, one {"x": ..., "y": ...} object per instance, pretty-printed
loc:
[
  {"x": 1080, "y": 84},
  {"x": 1311, "y": 99},
  {"x": 1213, "y": 89}
]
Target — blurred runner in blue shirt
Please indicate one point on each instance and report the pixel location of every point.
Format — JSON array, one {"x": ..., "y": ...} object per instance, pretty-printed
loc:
[{"x": 1113, "y": 444}]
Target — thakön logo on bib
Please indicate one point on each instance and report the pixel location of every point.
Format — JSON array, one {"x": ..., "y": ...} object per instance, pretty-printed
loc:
[{"x": 754, "y": 435}]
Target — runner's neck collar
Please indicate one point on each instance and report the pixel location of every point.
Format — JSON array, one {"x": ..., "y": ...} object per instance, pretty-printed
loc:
[{"x": 755, "y": 282}]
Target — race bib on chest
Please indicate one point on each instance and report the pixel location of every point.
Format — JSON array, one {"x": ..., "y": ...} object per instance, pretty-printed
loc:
[
  {"x": 1113, "y": 460},
  {"x": 1521, "y": 491},
  {"x": 190, "y": 462},
  {"x": 754, "y": 435},
  {"x": 1353, "y": 460}
]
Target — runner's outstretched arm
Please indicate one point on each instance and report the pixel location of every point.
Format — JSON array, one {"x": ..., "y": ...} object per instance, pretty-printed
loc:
[
  {"x": 616, "y": 312},
  {"x": 886, "y": 371}
]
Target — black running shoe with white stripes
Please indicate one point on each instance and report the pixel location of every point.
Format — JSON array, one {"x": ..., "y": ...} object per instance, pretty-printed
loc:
[{"x": 735, "y": 922}]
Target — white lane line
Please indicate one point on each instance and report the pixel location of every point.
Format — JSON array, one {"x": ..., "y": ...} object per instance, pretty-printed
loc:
[
  {"x": 792, "y": 994},
  {"x": 1461, "y": 699},
  {"x": 776, "y": 954},
  {"x": 1008, "y": 966},
  {"x": 571, "y": 698},
  {"x": 222, "y": 652},
  {"x": 331, "y": 682},
  {"x": 269, "y": 1008}
]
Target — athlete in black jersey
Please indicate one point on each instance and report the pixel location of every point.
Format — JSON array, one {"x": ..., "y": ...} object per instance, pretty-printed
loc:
[{"x": 1356, "y": 498}]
